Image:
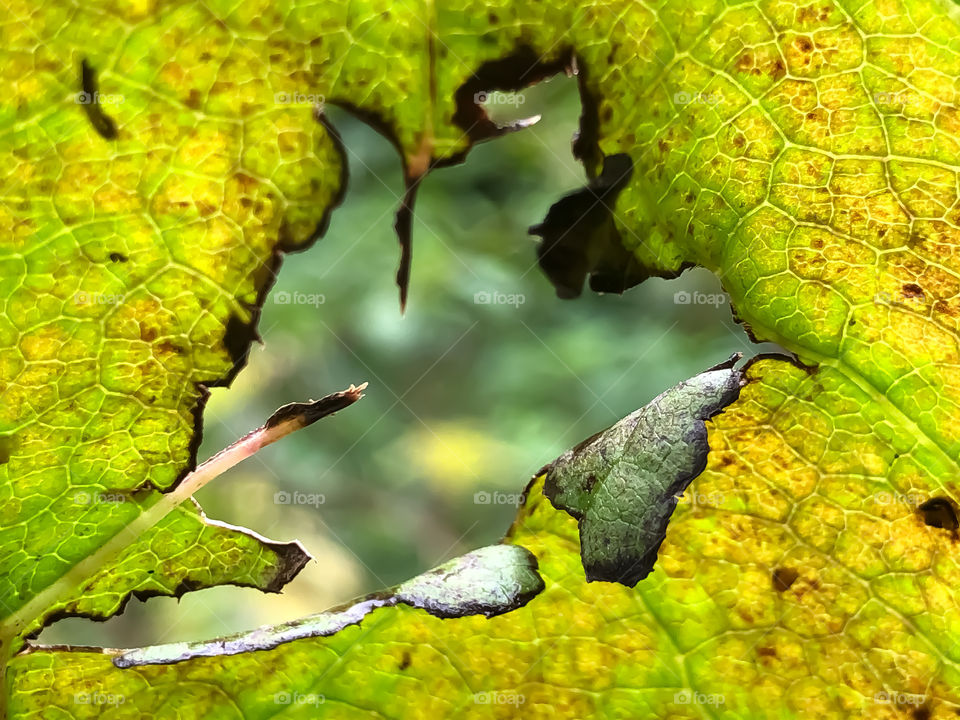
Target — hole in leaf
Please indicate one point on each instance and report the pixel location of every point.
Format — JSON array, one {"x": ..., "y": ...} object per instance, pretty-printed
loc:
[{"x": 939, "y": 513}]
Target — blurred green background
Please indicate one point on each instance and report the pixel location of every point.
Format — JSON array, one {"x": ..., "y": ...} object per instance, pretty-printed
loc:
[{"x": 465, "y": 397}]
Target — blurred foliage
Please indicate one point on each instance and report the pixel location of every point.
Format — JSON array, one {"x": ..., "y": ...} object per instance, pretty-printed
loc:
[{"x": 467, "y": 399}]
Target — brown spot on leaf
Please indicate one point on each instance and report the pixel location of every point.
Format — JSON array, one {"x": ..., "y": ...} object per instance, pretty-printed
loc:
[
  {"x": 245, "y": 182},
  {"x": 206, "y": 209},
  {"x": 169, "y": 348},
  {"x": 945, "y": 308},
  {"x": 811, "y": 13},
  {"x": 147, "y": 333},
  {"x": 783, "y": 578},
  {"x": 912, "y": 290},
  {"x": 405, "y": 660},
  {"x": 193, "y": 99},
  {"x": 805, "y": 14}
]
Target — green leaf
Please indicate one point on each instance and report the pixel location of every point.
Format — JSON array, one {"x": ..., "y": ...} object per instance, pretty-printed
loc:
[
  {"x": 806, "y": 153},
  {"x": 131, "y": 273}
]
